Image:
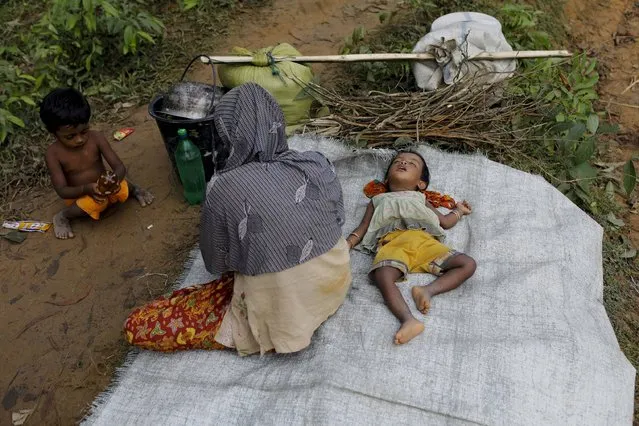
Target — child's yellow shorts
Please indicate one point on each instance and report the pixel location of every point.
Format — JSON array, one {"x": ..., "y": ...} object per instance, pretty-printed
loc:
[
  {"x": 412, "y": 250},
  {"x": 94, "y": 207}
]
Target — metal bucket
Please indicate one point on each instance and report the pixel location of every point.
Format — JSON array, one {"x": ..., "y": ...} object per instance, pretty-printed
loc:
[
  {"x": 201, "y": 132},
  {"x": 192, "y": 100},
  {"x": 188, "y": 105}
]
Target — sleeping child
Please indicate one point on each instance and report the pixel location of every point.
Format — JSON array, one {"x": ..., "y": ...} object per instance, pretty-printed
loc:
[{"x": 403, "y": 228}]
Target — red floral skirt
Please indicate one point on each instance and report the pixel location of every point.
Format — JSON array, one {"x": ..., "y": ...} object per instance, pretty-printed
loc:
[{"x": 188, "y": 318}]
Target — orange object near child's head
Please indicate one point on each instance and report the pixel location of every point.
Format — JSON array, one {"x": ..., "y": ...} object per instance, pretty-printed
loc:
[{"x": 376, "y": 187}]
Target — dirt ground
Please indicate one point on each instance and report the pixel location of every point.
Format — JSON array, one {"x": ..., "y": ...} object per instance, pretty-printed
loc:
[
  {"x": 608, "y": 30},
  {"x": 64, "y": 302}
]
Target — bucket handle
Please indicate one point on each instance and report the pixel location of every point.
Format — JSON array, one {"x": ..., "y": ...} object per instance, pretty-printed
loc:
[{"x": 212, "y": 69}]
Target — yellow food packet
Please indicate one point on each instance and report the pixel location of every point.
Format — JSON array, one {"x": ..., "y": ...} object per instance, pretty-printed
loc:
[{"x": 27, "y": 226}]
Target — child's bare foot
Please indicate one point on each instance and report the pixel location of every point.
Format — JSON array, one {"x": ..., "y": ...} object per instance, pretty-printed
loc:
[
  {"x": 144, "y": 197},
  {"x": 421, "y": 298},
  {"x": 62, "y": 227},
  {"x": 409, "y": 329}
]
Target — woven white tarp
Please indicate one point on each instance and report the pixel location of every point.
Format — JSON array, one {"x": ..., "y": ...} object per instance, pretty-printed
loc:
[{"x": 526, "y": 341}]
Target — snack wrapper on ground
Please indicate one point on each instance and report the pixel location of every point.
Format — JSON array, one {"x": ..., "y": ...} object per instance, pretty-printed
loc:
[
  {"x": 123, "y": 133},
  {"x": 27, "y": 226},
  {"x": 108, "y": 183}
]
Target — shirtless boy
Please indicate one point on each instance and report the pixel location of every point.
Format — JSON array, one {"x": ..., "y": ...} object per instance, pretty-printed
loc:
[{"x": 76, "y": 161}]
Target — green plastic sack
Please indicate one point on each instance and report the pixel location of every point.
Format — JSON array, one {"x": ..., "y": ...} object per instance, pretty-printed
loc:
[{"x": 284, "y": 80}]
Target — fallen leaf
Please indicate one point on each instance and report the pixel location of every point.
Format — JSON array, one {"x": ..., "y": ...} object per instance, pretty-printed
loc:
[
  {"x": 610, "y": 190},
  {"x": 53, "y": 267},
  {"x": 615, "y": 220},
  {"x": 629, "y": 177},
  {"x": 15, "y": 237},
  {"x": 323, "y": 112},
  {"x": 18, "y": 418},
  {"x": 592, "y": 124}
]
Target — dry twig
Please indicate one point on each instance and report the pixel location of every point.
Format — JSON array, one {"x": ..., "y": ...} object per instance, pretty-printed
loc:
[
  {"x": 35, "y": 321},
  {"x": 464, "y": 113},
  {"x": 150, "y": 274},
  {"x": 72, "y": 302},
  {"x": 634, "y": 81}
]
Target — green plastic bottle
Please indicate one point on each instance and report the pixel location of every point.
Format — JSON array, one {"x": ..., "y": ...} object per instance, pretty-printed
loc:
[{"x": 190, "y": 168}]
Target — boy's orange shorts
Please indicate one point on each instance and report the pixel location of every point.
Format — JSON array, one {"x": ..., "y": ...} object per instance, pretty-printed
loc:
[{"x": 94, "y": 207}]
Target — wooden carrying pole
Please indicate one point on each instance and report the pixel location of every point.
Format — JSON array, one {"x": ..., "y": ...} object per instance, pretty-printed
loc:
[{"x": 373, "y": 57}]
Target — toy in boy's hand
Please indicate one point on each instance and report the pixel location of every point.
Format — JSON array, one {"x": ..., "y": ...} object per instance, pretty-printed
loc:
[{"x": 108, "y": 183}]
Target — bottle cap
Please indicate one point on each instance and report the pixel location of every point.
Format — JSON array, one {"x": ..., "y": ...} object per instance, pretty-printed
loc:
[{"x": 182, "y": 132}]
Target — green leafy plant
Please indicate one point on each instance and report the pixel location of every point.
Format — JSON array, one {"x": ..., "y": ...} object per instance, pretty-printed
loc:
[
  {"x": 78, "y": 35},
  {"x": 188, "y": 4},
  {"x": 381, "y": 75},
  {"x": 520, "y": 23},
  {"x": 371, "y": 71},
  {"x": 570, "y": 91},
  {"x": 75, "y": 38},
  {"x": 17, "y": 94},
  {"x": 74, "y": 43}
]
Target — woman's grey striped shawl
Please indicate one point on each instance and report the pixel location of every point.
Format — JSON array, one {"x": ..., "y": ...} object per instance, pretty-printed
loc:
[{"x": 269, "y": 208}]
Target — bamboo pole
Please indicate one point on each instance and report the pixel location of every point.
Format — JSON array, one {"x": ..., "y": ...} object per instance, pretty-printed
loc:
[{"x": 372, "y": 57}]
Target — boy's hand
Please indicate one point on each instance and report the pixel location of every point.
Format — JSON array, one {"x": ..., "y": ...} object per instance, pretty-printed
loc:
[
  {"x": 94, "y": 192},
  {"x": 464, "y": 208}
]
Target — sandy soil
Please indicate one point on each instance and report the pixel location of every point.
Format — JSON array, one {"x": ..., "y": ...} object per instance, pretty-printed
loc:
[{"x": 64, "y": 302}]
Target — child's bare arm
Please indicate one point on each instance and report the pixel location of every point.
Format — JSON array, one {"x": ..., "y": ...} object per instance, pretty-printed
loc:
[
  {"x": 59, "y": 180},
  {"x": 451, "y": 219},
  {"x": 356, "y": 236},
  {"x": 110, "y": 156}
]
